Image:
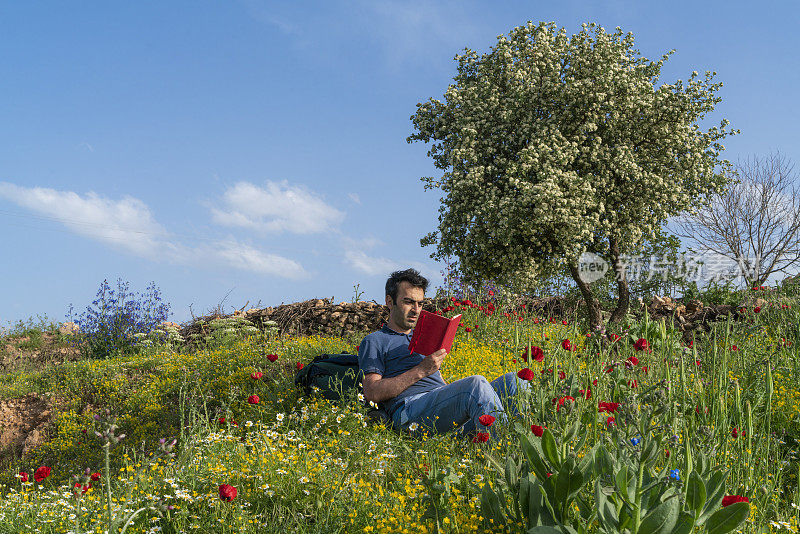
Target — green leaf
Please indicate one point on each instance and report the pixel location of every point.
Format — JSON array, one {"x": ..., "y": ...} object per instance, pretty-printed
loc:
[
  {"x": 572, "y": 431},
  {"x": 490, "y": 507},
  {"x": 549, "y": 448},
  {"x": 695, "y": 493},
  {"x": 622, "y": 481},
  {"x": 524, "y": 495},
  {"x": 511, "y": 473},
  {"x": 538, "y": 512},
  {"x": 715, "y": 493},
  {"x": 606, "y": 511},
  {"x": 534, "y": 456},
  {"x": 544, "y": 530},
  {"x": 662, "y": 518},
  {"x": 650, "y": 450},
  {"x": 728, "y": 519},
  {"x": 685, "y": 524},
  {"x": 586, "y": 463},
  {"x": 604, "y": 463}
]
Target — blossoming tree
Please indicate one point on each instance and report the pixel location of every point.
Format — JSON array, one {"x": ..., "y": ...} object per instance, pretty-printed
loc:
[{"x": 553, "y": 145}]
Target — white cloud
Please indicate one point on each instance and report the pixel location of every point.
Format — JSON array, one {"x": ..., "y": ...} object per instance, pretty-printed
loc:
[
  {"x": 129, "y": 225},
  {"x": 247, "y": 258},
  {"x": 126, "y": 224},
  {"x": 409, "y": 29},
  {"x": 381, "y": 266},
  {"x": 354, "y": 197},
  {"x": 278, "y": 207},
  {"x": 360, "y": 261}
]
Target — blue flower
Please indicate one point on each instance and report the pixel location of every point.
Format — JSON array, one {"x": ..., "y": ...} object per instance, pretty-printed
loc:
[
  {"x": 675, "y": 474},
  {"x": 635, "y": 441}
]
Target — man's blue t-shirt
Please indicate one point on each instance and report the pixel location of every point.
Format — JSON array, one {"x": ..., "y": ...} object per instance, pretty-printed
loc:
[{"x": 386, "y": 352}]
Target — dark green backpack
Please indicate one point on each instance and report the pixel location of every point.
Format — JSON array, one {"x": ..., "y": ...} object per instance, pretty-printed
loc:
[{"x": 333, "y": 374}]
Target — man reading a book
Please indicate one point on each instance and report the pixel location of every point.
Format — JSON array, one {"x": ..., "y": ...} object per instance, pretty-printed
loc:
[{"x": 409, "y": 386}]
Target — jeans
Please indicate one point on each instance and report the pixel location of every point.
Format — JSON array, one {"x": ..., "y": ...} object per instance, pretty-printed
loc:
[{"x": 461, "y": 403}]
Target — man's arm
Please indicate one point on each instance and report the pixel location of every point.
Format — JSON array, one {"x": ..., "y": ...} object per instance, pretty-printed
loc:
[{"x": 379, "y": 389}]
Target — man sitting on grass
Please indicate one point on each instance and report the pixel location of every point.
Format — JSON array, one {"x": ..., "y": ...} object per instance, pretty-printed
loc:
[{"x": 409, "y": 386}]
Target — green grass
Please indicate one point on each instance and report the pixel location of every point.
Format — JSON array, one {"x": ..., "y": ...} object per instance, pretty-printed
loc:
[{"x": 301, "y": 464}]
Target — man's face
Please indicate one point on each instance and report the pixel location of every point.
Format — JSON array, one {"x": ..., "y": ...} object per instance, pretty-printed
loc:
[{"x": 405, "y": 312}]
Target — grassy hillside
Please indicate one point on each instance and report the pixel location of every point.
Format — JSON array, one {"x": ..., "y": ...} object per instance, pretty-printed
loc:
[{"x": 727, "y": 403}]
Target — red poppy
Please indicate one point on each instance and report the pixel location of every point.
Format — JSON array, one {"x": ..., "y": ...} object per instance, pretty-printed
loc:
[
  {"x": 734, "y": 347},
  {"x": 642, "y": 344},
  {"x": 594, "y": 382},
  {"x": 757, "y": 309},
  {"x": 537, "y": 354},
  {"x": 23, "y": 476},
  {"x": 562, "y": 375},
  {"x": 613, "y": 337},
  {"x": 728, "y": 500},
  {"x": 256, "y": 375},
  {"x": 222, "y": 420},
  {"x": 525, "y": 374},
  {"x": 95, "y": 477},
  {"x": 466, "y": 302},
  {"x": 567, "y": 345},
  {"x": 253, "y": 399},
  {"x": 468, "y": 329},
  {"x": 491, "y": 293},
  {"x": 536, "y": 321},
  {"x": 272, "y": 357},
  {"x": 633, "y": 383},
  {"x": 537, "y": 430},
  {"x": 735, "y": 432},
  {"x": 631, "y": 362},
  {"x": 521, "y": 318},
  {"x": 481, "y": 437},
  {"x": 565, "y": 322},
  {"x": 227, "y": 492},
  {"x": 609, "y": 369},
  {"x": 610, "y": 407},
  {"x": 666, "y": 453},
  {"x": 42, "y": 473},
  {"x": 645, "y": 369},
  {"x": 587, "y": 394},
  {"x": 298, "y": 365},
  {"x": 611, "y": 421},
  {"x": 86, "y": 488},
  {"x": 562, "y": 400},
  {"x": 691, "y": 343},
  {"x": 486, "y": 419}
]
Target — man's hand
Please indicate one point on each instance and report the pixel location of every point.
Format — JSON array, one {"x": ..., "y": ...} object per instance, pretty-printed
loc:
[
  {"x": 433, "y": 362},
  {"x": 379, "y": 389}
]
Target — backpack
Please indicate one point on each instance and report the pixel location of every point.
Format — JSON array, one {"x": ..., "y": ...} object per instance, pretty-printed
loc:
[{"x": 333, "y": 374}]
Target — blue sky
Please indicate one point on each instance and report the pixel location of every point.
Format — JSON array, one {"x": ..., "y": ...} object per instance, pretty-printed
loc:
[{"x": 258, "y": 149}]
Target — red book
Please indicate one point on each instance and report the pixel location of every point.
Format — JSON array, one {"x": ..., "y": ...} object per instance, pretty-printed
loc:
[{"x": 433, "y": 332}]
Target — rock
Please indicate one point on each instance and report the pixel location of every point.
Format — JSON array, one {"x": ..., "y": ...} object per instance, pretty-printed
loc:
[
  {"x": 69, "y": 328},
  {"x": 662, "y": 303},
  {"x": 693, "y": 306}
]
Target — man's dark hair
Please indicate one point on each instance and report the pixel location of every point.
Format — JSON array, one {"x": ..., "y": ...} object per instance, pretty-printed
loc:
[{"x": 411, "y": 276}]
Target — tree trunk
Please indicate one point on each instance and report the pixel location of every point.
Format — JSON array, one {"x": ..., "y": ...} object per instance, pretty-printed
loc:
[
  {"x": 592, "y": 303},
  {"x": 623, "y": 290}
]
